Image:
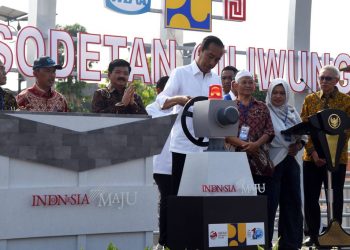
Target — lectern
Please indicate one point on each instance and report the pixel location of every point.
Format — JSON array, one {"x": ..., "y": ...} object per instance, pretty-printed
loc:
[
  {"x": 327, "y": 131},
  {"x": 78, "y": 181}
]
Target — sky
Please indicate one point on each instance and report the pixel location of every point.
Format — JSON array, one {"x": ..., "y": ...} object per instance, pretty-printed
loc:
[{"x": 266, "y": 25}]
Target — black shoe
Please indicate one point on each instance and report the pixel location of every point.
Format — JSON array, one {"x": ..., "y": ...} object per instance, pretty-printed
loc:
[{"x": 310, "y": 241}]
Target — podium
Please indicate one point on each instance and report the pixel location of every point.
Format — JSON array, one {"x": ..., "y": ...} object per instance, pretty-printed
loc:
[
  {"x": 217, "y": 222},
  {"x": 78, "y": 181},
  {"x": 216, "y": 206},
  {"x": 327, "y": 131}
]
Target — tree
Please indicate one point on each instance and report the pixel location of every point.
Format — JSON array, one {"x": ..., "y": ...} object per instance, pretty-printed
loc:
[
  {"x": 146, "y": 91},
  {"x": 71, "y": 87},
  {"x": 258, "y": 94}
]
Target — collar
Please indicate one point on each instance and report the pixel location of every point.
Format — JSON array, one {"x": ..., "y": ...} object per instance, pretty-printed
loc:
[
  {"x": 252, "y": 100},
  {"x": 42, "y": 93},
  {"x": 331, "y": 95},
  {"x": 111, "y": 89},
  {"x": 196, "y": 70}
]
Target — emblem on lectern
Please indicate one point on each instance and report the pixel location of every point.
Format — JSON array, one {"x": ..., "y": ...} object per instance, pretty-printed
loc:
[{"x": 334, "y": 121}]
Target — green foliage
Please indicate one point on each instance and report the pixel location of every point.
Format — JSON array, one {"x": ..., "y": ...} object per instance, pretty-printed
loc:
[
  {"x": 259, "y": 95},
  {"x": 102, "y": 85},
  {"x": 146, "y": 91},
  {"x": 111, "y": 246},
  {"x": 70, "y": 87},
  {"x": 77, "y": 102},
  {"x": 275, "y": 247},
  {"x": 73, "y": 30}
]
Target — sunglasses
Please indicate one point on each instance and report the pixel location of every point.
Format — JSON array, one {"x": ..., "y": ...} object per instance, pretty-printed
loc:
[{"x": 325, "y": 78}]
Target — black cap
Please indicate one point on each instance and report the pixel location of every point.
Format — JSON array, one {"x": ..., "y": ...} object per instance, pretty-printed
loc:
[{"x": 45, "y": 62}]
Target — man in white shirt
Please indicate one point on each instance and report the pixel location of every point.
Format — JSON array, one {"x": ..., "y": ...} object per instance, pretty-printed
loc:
[
  {"x": 185, "y": 83},
  {"x": 162, "y": 168}
]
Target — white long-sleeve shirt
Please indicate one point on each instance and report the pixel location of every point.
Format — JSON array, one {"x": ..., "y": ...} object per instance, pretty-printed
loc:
[
  {"x": 162, "y": 163},
  {"x": 189, "y": 81}
]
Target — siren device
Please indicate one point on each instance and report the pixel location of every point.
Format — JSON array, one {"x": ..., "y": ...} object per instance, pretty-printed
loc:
[{"x": 214, "y": 118}]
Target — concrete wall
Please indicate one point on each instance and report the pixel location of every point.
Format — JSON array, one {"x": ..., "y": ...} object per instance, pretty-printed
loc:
[{"x": 60, "y": 207}]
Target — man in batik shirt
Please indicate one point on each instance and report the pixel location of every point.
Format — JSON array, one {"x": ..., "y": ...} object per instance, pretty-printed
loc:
[
  {"x": 314, "y": 166},
  {"x": 7, "y": 100},
  {"x": 117, "y": 97},
  {"x": 42, "y": 97}
]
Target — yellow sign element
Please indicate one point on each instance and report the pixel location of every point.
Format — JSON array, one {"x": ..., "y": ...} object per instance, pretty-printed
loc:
[
  {"x": 332, "y": 145},
  {"x": 236, "y": 234},
  {"x": 188, "y": 14}
]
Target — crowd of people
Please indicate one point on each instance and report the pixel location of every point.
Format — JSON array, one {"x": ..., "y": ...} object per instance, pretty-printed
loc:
[{"x": 272, "y": 156}]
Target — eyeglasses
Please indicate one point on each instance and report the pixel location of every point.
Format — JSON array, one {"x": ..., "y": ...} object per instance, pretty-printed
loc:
[{"x": 325, "y": 78}]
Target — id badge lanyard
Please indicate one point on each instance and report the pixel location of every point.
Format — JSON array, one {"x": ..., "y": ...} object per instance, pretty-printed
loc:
[
  {"x": 244, "y": 132},
  {"x": 287, "y": 138}
]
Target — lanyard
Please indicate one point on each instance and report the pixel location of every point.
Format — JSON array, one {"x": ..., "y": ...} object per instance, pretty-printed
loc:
[
  {"x": 285, "y": 118},
  {"x": 245, "y": 110}
]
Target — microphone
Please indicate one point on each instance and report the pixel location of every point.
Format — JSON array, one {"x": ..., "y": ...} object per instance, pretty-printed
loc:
[
  {"x": 319, "y": 98},
  {"x": 345, "y": 69}
]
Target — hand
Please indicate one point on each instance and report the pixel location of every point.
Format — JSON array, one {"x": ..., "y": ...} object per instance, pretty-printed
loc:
[
  {"x": 182, "y": 100},
  {"x": 294, "y": 148},
  {"x": 28, "y": 107},
  {"x": 128, "y": 97},
  {"x": 250, "y": 147},
  {"x": 319, "y": 162}
]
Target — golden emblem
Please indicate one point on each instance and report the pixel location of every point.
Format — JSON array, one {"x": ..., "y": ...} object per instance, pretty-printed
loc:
[{"x": 334, "y": 121}]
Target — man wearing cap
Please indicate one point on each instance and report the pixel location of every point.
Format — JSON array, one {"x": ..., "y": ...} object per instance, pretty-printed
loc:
[
  {"x": 185, "y": 83},
  {"x": 42, "y": 97},
  {"x": 7, "y": 100}
]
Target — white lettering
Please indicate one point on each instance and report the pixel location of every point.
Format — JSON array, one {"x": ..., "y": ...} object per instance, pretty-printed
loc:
[{"x": 297, "y": 64}]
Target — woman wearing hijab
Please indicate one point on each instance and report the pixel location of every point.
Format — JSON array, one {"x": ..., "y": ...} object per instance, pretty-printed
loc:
[{"x": 285, "y": 186}]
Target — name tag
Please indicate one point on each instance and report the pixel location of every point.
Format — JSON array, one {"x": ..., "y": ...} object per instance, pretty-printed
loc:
[{"x": 243, "y": 134}]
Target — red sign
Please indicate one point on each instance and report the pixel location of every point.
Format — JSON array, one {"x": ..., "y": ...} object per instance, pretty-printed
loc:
[
  {"x": 235, "y": 10},
  {"x": 59, "y": 200},
  {"x": 218, "y": 188}
]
